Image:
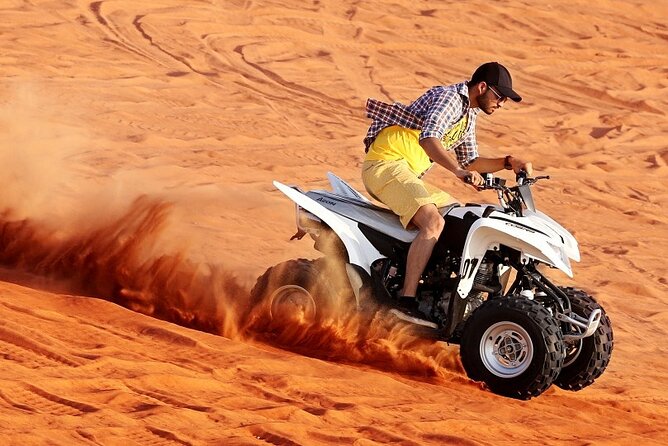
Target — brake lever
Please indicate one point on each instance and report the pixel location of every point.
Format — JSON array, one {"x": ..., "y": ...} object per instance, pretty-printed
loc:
[{"x": 535, "y": 179}]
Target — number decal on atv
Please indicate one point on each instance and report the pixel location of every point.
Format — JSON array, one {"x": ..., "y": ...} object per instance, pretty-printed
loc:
[{"x": 473, "y": 264}]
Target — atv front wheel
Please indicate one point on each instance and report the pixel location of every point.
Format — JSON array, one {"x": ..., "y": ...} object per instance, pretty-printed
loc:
[
  {"x": 513, "y": 345},
  {"x": 587, "y": 358}
]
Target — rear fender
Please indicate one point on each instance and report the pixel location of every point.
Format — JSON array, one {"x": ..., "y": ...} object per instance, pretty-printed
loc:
[
  {"x": 489, "y": 234},
  {"x": 360, "y": 251}
]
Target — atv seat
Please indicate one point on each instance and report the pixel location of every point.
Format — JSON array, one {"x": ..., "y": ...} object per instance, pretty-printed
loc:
[
  {"x": 369, "y": 205},
  {"x": 364, "y": 212}
]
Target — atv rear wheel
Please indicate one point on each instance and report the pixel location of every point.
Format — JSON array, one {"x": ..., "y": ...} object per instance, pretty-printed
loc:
[
  {"x": 587, "y": 358},
  {"x": 513, "y": 345},
  {"x": 292, "y": 291}
]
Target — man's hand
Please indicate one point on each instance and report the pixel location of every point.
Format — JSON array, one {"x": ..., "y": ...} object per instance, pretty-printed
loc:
[
  {"x": 470, "y": 177},
  {"x": 433, "y": 147},
  {"x": 519, "y": 165}
]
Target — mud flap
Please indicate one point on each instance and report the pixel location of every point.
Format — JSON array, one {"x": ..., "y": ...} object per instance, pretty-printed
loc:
[
  {"x": 379, "y": 292},
  {"x": 456, "y": 309},
  {"x": 362, "y": 286}
]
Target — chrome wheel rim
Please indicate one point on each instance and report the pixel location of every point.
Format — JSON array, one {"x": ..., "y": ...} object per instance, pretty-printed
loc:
[
  {"x": 506, "y": 349},
  {"x": 292, "y": 302}
]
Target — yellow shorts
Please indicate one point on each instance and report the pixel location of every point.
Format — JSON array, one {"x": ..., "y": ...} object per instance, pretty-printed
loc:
[{"x": 395, "y": 185}]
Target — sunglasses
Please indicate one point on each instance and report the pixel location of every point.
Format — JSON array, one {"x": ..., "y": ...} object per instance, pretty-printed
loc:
[{"x": 500, "y": 99}]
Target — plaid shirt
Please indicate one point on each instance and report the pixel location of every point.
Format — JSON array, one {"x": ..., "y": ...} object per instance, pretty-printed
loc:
[{"x": 435, "y": 112}]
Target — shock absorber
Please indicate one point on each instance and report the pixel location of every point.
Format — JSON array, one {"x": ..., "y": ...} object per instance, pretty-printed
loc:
[
  {"x": 484, "y": 274},
  {"x": 483, "y": 279}
]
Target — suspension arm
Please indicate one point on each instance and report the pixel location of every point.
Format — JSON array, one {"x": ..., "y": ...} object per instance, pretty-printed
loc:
[{"x": 537, "y": 279}]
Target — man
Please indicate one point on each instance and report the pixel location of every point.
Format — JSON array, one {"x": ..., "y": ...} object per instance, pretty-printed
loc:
[{"x": 403, "y": 142}]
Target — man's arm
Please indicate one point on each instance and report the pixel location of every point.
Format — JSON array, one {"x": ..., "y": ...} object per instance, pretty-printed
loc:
[
  {"x": 435, "y": 151},
  {"x": 496, "y": 164}
]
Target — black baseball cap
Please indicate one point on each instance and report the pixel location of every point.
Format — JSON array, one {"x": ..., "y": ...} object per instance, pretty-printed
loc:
[{"x": 498, "y": 76}]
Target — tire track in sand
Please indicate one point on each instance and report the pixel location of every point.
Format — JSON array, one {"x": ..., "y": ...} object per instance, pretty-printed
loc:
[
  {"x": 28, "y": 397},
  {"x": 29, "y": 353}
]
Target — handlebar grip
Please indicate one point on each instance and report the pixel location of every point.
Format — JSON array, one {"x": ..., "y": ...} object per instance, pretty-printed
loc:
[{"x": 521, "y": 177}]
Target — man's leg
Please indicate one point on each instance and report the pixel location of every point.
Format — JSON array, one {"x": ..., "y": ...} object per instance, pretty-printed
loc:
[{"x": 430, "y": 224}]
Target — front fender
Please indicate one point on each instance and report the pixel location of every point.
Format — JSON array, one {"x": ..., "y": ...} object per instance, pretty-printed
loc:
[
  {"x": 489, "y": 233},
  {"x": 570, "y": 244}
]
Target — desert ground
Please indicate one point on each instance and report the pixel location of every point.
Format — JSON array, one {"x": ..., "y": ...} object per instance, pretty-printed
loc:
[{"x": 138, "y": 145}]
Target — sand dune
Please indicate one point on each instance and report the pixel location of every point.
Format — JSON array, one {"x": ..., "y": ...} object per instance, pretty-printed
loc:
[{"x": 138, "y": 142}]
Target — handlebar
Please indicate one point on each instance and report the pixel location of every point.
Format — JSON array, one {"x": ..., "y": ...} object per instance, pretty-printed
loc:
[
  {"x": 496, "y": 183},
  {"x": 513, "y": 198}
]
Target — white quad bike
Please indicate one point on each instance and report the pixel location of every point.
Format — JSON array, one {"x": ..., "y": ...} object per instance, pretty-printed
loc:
[{"x": 482, "y": 289}]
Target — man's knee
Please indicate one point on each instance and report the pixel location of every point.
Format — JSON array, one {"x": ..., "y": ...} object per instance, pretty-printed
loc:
[{"x": 429, "y": 220}]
